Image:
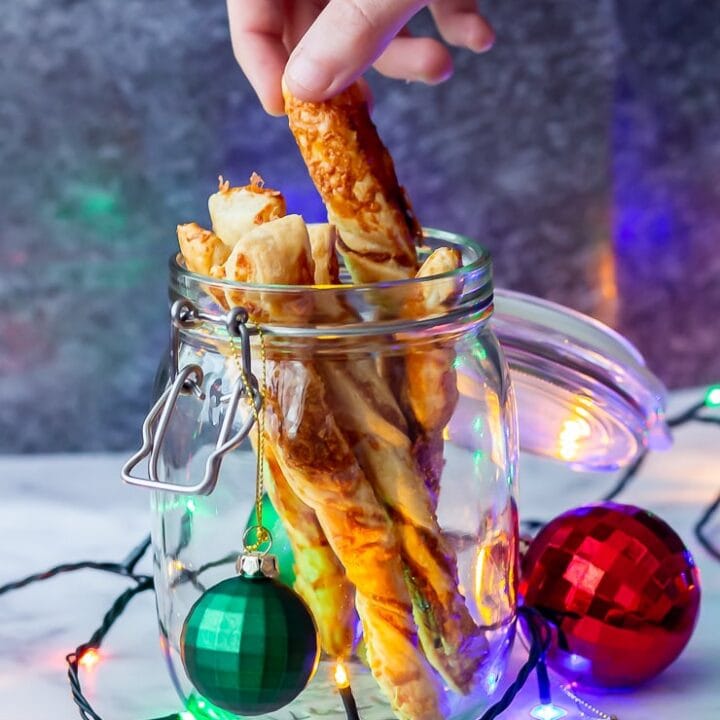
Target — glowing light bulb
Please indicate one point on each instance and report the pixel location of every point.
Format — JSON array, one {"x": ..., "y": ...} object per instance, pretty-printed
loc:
[
  {"x": 89, "y": 658},
  {"x": 547, "y": 712},
  {"x": 572, "y": 432},
  {"x": 341, "y": 675},
  {"x": 712, "y": 396},
  {"x": 174, "y": 568}
]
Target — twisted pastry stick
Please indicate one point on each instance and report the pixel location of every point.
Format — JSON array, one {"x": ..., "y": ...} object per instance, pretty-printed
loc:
[
  {"x": 322, "y": 470},
  {"x": 323, "y": 243},
  {"x": 320, "y": 579},
  {"x": 428, "y": 380},
  {"x": 370, "y": 418},
  {"x": 204, "y": 254},
  {"x": 355, "y": 176}
]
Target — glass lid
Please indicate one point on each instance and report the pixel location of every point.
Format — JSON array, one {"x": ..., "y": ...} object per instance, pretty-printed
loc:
[{"x": 584, "y": 394}]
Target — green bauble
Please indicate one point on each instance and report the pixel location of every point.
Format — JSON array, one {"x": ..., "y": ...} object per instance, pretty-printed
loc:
[{"x": 250, "y": 645}]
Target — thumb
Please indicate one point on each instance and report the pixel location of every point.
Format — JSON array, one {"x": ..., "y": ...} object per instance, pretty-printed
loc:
[{"x": 345, "y": 40}]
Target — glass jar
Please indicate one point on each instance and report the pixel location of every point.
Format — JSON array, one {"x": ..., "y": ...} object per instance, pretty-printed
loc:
[{"x": 390, "y": 483}]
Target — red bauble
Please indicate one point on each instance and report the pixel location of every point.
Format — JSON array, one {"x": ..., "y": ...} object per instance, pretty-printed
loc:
[{"x": 620, "y": 588}]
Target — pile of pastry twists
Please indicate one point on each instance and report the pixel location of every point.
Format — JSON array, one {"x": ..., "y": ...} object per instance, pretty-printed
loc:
[{"x": 353, "y": 447}]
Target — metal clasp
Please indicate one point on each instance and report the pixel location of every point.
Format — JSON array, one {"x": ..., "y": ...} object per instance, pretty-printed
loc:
[{"x": 188, "y": 380}]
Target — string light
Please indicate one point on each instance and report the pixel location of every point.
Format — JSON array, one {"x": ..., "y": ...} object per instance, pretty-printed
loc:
[
  {"x": 87, "y": 655},
  {"x": 342, "y": 680},
  {"x": 583, "y": 706}
]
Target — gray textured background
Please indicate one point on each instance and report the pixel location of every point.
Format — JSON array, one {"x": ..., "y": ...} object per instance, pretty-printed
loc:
[{"x": 584, "y": 151}]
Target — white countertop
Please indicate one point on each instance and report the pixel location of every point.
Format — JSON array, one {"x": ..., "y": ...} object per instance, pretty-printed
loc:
[{"x": 74, "y": 507}]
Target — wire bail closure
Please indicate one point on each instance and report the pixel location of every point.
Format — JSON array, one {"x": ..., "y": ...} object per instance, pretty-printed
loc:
[{"x": 186, "y": 381}]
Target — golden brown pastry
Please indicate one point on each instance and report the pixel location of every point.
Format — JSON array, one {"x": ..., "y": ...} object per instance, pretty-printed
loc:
[
  {"x": 235, "y": 211},
  {"x": 267, "y": 255},
  {"x": 322, "y": 470},
  {"x": 373, "y": 423},
  {"x": 319, "y": 577},
  {"x": 368, "y": 415},
  {"x": 202, "y": 249},
  {"x": 428, "y": 381},
  {"x": 323, "y": 244},
  {"x": 204, "y": 254},
  {"x": 355, "y": 177}
]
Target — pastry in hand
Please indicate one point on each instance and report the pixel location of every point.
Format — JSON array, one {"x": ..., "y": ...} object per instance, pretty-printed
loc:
[{"x": 355, "y": 177}]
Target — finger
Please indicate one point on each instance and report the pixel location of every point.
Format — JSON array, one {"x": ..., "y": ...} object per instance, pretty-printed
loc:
[
  {"x": 347, "y": 37},
  {"x": 419, "y": 59},
  {"x": 460, "y": 23},
  {"x": 299, "y": 16},
  {"x": 256, "y": 29}
]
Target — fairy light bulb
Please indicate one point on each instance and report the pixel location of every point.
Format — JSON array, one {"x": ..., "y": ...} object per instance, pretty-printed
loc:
[
  {"x": 712, "y": 396},
  {"x": 547, "y": 711},
  {"x": 89, "y": 658},
  {"x": 341, "y": 676}
]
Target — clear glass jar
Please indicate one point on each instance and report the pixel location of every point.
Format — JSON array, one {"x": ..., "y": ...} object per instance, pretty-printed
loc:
[{"x": 391, "y": 427}]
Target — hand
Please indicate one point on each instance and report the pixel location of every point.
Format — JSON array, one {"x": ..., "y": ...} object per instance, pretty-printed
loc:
[{"x": 324, "y": 45}]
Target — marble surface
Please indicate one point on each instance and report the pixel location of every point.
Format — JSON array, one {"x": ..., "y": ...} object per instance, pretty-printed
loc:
[
  {"x": 584, "y": 151},
  {"x": 59, "y": 508}
]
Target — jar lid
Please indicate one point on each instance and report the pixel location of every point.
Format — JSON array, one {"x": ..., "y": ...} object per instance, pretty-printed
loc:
[{"x": 584, "y": 394}]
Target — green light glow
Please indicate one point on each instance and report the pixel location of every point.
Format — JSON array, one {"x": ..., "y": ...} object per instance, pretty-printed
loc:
[
  {"x": 95, "y": 207},
  {"x": 98, "y": 202},
  {"x": 191, "y": 506},
  {"x": 712, "y": 396},
  {"x": 478, "y": 424},
  {"x": 479, "y": 457},
  {"x": 199, "y": 709}
]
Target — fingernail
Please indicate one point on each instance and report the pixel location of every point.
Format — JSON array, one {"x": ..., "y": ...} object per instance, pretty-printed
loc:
[
  {"x": 481, "y": 42},
  {"x": 440, "y": 76},
  {"x": 307, "y": 76}
]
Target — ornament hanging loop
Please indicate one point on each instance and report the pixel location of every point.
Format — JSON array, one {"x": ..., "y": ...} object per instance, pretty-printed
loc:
[{"x": 262, "y": 543}]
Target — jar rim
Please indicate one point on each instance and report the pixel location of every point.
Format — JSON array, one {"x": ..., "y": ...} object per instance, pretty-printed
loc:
[
  {"x": 374, "y": 308},
  {"x": 477, "y": 263}
]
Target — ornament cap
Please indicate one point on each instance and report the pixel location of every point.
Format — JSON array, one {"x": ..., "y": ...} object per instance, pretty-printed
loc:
[{"x": 257, "y": 565}]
